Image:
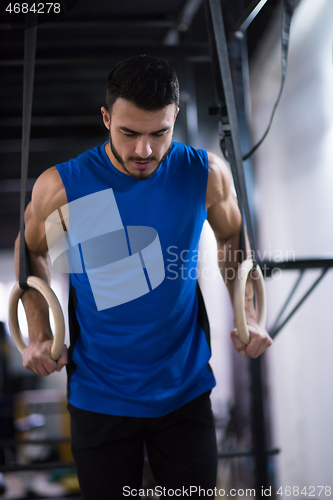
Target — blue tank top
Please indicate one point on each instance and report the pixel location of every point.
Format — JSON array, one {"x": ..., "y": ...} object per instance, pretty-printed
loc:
[{"x": 138, "y": 346}]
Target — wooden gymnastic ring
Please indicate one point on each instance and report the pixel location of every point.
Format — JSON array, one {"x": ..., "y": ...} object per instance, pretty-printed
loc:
[
  {"x": 244, "y": 270},
  {"x": 54, "y": 305}
]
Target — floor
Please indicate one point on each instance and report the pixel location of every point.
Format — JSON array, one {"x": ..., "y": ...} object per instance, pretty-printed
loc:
[{"x": 38, "y": 485}]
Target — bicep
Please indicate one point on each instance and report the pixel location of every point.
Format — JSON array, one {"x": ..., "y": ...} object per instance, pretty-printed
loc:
[
  {"x": 223, "y": 212},
  {"x": 35, "y": 236},
  {"x": 48, "y": 195},
  {"x": 224, "y": 218}
]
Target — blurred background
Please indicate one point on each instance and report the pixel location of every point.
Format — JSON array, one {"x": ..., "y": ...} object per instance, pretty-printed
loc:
[{"x": 290, "y": 185}]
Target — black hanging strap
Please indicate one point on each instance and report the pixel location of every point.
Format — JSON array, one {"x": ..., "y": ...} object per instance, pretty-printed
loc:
[
  {"x": 30, "y": 36},
  {"x": 288, "y": 9}
]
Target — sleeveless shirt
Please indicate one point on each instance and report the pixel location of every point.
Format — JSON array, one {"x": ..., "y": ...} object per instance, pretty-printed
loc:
[{"x": 137, "y": 346}]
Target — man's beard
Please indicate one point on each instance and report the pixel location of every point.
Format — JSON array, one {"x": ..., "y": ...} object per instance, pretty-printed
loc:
[{"x": 142, "y": 176}]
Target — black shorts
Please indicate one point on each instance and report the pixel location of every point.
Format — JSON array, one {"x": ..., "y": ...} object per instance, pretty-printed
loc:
[{"x": 109, "y": 451}]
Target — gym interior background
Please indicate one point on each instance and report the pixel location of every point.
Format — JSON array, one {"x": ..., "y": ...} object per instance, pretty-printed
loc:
[{"x": 290, "y": 182}]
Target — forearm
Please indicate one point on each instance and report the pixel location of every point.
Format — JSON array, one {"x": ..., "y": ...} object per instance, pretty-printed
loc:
[{"x": 36, "y": 307}]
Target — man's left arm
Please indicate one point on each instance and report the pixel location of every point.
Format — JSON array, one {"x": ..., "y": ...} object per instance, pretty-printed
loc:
[{"x": 224, "y": 218}]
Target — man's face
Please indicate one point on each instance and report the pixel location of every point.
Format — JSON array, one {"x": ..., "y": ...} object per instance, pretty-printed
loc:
[{"x": 139, "y": 140}]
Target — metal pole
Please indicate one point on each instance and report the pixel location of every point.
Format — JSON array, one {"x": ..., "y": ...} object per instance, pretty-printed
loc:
[{"x": 239, "y": 66}]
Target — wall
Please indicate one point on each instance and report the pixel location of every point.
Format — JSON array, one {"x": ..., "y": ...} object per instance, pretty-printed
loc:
[{"x": 294, "y": 183}]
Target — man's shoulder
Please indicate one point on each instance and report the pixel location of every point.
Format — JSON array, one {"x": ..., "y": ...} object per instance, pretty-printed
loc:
[{"x": 48, "y": 193}]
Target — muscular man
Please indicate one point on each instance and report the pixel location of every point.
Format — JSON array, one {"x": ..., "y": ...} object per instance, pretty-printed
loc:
[{"x": 138, "y": 369}]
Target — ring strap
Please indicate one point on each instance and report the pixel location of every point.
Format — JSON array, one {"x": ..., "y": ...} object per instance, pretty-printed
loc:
[
  {"x": 30, "y": 36},
  {"x": 230, "y": 131}
]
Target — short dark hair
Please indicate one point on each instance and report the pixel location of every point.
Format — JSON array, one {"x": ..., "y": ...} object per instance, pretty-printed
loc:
[{"x": 148, "y": 82}]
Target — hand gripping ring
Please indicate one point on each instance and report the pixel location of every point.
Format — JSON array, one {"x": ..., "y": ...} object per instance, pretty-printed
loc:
[
  {"x": 244, "y": 270},
  {"x": 51, "y": 299}
]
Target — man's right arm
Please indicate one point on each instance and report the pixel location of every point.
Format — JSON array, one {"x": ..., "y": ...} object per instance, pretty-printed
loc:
[{"x": 47, "y": 196}]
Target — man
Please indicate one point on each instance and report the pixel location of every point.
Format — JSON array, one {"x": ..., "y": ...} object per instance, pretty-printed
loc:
[{"x": 138, "y": 367}]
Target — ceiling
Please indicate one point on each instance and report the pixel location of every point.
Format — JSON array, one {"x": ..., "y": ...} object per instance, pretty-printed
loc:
[{"x": 74, "y": 55}]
